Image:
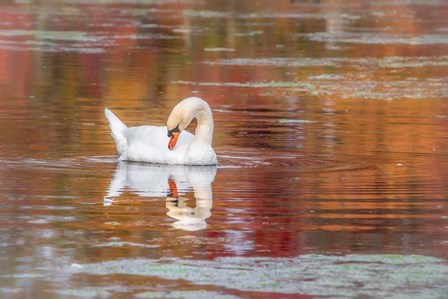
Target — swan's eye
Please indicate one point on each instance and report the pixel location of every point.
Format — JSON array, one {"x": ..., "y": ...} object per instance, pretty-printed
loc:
[{"x": 175, "y": 130}]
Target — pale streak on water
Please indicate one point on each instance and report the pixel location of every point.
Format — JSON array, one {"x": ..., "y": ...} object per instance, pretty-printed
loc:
[{"x": 331, "y": 133}]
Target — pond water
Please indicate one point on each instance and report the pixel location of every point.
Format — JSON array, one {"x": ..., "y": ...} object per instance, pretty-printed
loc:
[{"x": 330, "y": 129}]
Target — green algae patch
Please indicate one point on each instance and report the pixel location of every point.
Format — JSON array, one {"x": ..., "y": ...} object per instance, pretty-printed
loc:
[
  {"x": 318, "y": 275},
  {"x": 186, "y": 294}
]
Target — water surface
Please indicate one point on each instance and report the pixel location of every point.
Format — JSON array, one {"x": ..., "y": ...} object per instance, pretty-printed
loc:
[{"x": 330, "y": 130}]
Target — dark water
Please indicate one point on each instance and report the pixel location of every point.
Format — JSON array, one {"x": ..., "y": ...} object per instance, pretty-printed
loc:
[{"x": 330, "y": 129}]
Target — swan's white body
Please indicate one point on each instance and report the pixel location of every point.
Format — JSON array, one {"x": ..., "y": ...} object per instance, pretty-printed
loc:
[{"x": 150, "y": 143}]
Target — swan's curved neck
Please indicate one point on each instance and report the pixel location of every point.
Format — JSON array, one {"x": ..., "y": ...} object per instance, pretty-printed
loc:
[{"x": 204, "y": 128}]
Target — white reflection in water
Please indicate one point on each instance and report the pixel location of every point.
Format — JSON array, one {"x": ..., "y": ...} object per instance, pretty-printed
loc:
[{"x": 171, "y": 182}]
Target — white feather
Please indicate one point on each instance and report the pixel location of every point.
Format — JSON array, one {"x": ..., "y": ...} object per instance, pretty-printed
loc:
[{"x": 118, "y": 130}]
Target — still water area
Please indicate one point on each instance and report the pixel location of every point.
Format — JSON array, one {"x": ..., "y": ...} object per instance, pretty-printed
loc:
[{"x": 330, "y": 129}]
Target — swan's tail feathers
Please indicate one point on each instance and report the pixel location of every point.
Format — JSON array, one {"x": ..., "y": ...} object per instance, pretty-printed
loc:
[{"x": 118, "y": 130}]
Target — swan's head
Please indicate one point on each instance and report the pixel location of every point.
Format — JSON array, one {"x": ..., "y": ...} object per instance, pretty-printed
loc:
[{"x": 181, "y": 116}]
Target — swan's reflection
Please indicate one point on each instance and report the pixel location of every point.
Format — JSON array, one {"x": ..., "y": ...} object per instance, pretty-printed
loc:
[{"x": 170, "y": 181}]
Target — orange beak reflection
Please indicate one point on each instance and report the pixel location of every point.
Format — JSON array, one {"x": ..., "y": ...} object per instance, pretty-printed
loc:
[{"x": 173, "y": 140}]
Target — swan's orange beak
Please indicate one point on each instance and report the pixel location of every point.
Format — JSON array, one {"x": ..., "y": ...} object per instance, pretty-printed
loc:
[{"x": 173, "y": 140}]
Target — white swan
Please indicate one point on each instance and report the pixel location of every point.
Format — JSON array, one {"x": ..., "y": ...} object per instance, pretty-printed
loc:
[{"x": 149, "y": 143}]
